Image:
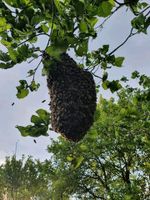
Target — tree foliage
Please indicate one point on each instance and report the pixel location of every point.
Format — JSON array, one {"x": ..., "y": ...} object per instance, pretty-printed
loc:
[
  {"x": 23, "y": 179},
  {"x": 113, "y": 160}
]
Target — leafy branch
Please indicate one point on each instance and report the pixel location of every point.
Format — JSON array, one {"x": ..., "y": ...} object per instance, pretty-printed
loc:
[{"x": 31, "y": 37}]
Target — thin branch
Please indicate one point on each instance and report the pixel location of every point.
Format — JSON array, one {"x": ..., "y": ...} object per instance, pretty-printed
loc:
[
  {"x": 52, "y": 25},
  {"x": 129, "y": 36},
  {"x": 96, "y": 75},
  {"x": 37, "y": 69},
  {"x": 144, "y": 10},
  {"x": 31, "y": 38},
  {"x": 46, "y": 45},
  {"x": 119, "y": 2},
  {"x": 34, "y": 59},
  {"x": 86, "y": 189},
  {"x": 147, "y": 14},
  {"x": 105, "y": 20},
  {"x": 96, "y": 69}
]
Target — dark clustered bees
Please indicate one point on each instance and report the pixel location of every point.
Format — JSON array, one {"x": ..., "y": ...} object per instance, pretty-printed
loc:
[{"x": 73, "y": 98}]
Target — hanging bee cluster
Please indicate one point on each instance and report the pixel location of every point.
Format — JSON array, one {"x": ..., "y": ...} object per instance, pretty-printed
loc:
[{"x": 73, "y": 98}]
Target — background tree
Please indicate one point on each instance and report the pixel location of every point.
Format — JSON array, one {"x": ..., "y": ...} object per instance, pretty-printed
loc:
[
  {"x": 24, "y": 179},
  {"x": 66, "y": 25},
  {"x": 113, "y": 160}
]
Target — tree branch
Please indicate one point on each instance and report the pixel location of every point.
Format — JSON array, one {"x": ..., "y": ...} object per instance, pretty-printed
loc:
[
  {"x": 32, "y": 38},
  {"x": 122, "y": 4},
  {"x": 96, "y": 75},
  {"x": 105, "y": 20},
  {"x": 128, "y": 37},
  {"x": 86, "y": 189}
]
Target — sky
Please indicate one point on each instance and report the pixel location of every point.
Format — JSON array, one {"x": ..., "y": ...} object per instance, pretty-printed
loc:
[{"x": 137, "y": 57}]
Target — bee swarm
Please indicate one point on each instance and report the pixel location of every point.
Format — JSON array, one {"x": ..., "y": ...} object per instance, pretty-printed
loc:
[{"x": 73, "y": 98}]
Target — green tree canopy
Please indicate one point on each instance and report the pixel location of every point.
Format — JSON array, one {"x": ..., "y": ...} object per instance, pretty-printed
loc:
[
  {"x": 113, "y": 160},
  {"x": 22, "y": 179}
]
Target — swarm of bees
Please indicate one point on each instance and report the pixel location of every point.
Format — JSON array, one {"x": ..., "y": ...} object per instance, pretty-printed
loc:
[{"x": 73, "y": 98}]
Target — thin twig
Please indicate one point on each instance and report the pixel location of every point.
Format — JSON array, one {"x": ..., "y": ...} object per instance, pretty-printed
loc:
[
  {"x": 31, "y": 38},
  {"x": 34, "y": 59},
  {"x": 96, "y": 76},
  {"x": 129, "y": 36},
  {"x": 144, "y": 10},
  {"x": 147, "y": 14},
  {"x": 46, "y": 45},
  {"x": 105, "y": 20},
  {"x": 96, "y": 69},
  {"x": 52, "y": 25},
  {"x": 119, "y": 2},
  {"x": 36, "y": 69}
]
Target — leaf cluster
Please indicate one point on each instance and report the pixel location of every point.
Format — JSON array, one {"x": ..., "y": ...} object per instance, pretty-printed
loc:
[{"x": 40, "y": 125}]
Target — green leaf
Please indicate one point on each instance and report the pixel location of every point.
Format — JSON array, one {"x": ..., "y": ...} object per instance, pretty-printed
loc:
[
  {"x": 82, "y": 48},
  {"x": 139, "y": 23},
  {"x": 119, "y": 61},
  {"x": 82, "y": 1},
  {"x": 44, "y": 115},
  {"x": 22, "y": 93},
  {"x": 69, "y": 158},
  {"x": 34, "y": 86},
  {"x": 36, "y": 19},
  {"x": 6, "y": 65},
  {"x": 54, "y": 51},
  {"x": 135, "y": 74},
  {"x": 104, "y": 65},
  {"x": 124, "y": 79},
  {"x": 45, "y": 28},
  {"x": 104, "y": 49},
  {"x": 79, "y": 51},
  {"x": 40, "y": 127},
  {"x": 59, "y": 6},
  {"x": 105, "y": 76},
  {"x": 105, "y": 85},
  {"x": 92, "y": 21},
  {"x": 34, "y": 131},
  {"x": 24, "y": 130},
  {"x": 23, "y": 50},
  {"x": 13, "y": 54},
  {"x": 78, "y": 162},
  {"x": 143, "y": 4},
  {"x": 36, "y": 120},
  {"x": 79, "y": 8},
  {"x": 104, "y": 9},
  {"x": 31, "y": 72},
  {"x": 114, "y": 86},
  {"x": 4, "y": 56},
  {"x": 128, "y": 197},
  {"x": 83, "y": 147},
  {"x": 83, "y": 27},
  {"x": 22, "y": 89},
  {"x": 3, "y": 25}
]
